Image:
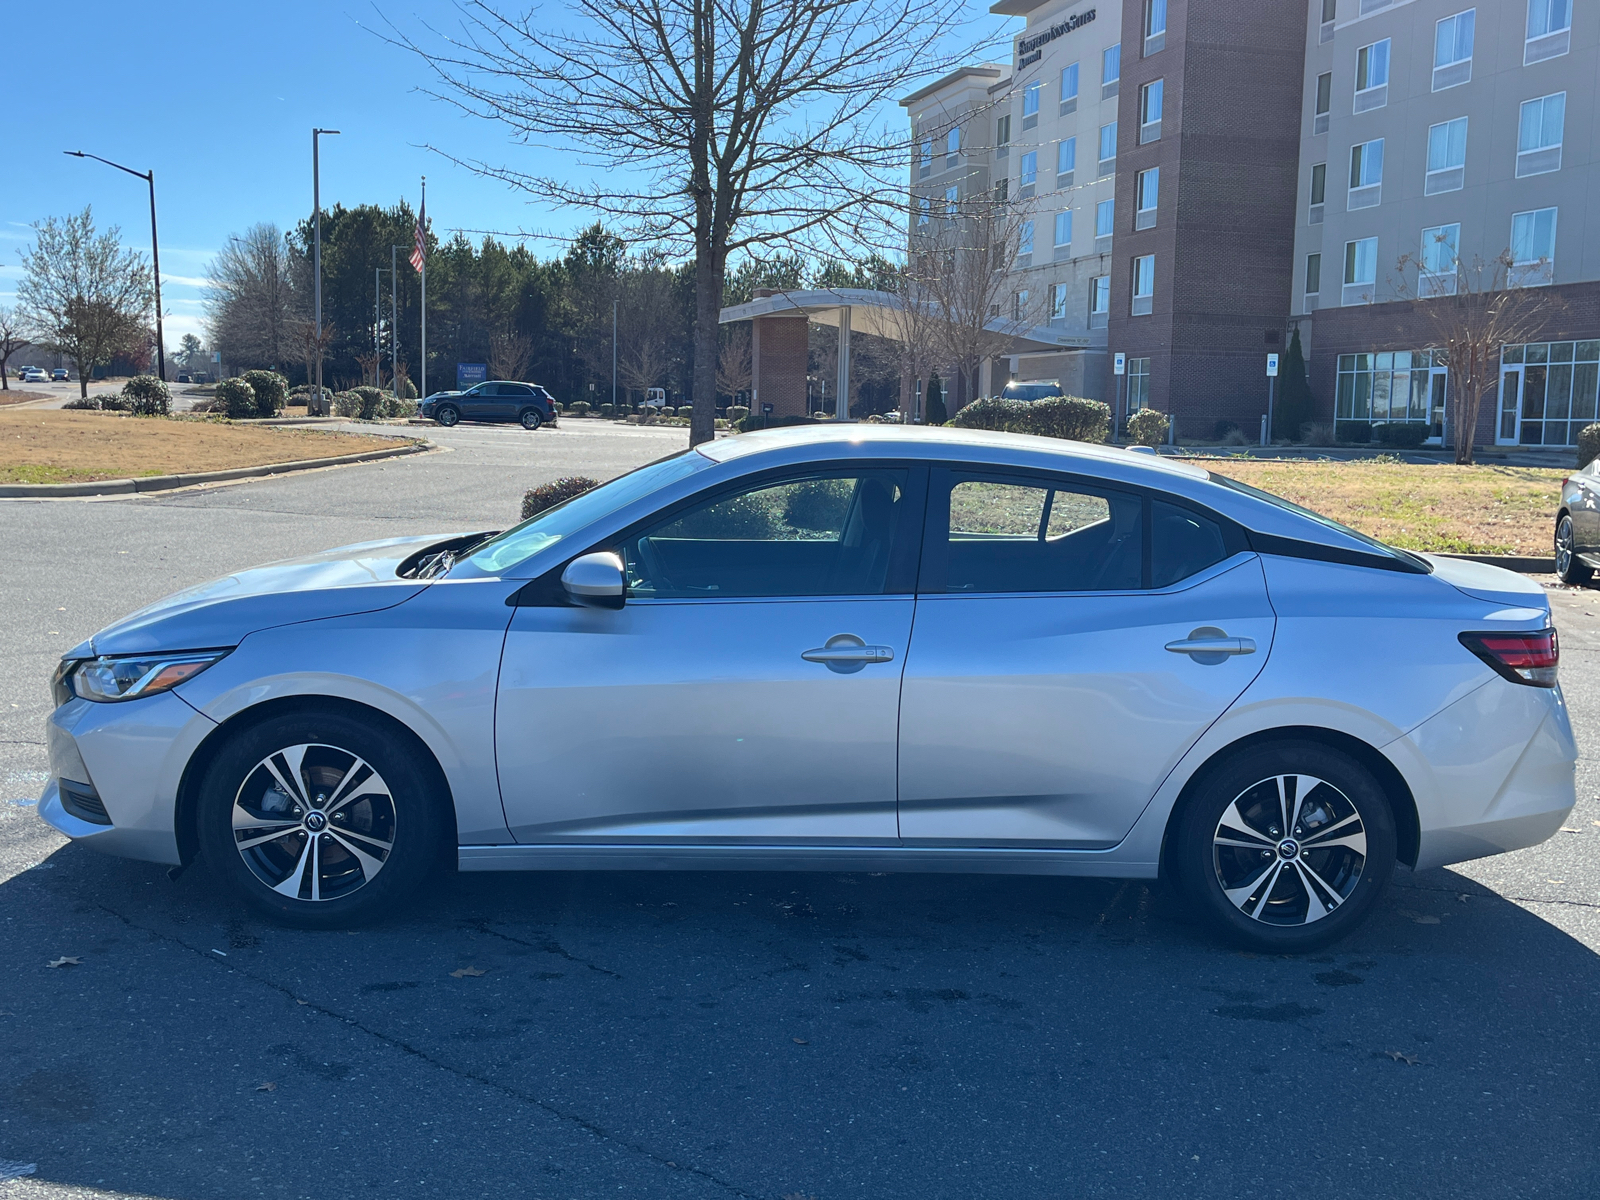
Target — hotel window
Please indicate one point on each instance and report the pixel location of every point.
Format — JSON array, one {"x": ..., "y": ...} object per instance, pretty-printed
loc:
[
  {"x": 1394, "y": 387},
  {"x": 1313, "y": 279},
  {"x": 1030, "y": 105},
  {"x": 952, "y": 146},
  {"x": 1447, "y": 157},
  {"x": 1319, "y": 122},
  {"x": 1360, "y": 271},
  {"x": 1099, "y": 301},
  {"x": 1452, "y": 50},
  {"x": 1063, "y": 230},
  {"x": 1325, "y": 30},
  {"x": 1150, "y": 111},
  {"x": 1549, "y": 30},
  {"x": 1069, "y": 89},
  {"x": 1110, "y": 71},
  {"x": 1539, "y": 135},
  {"x": 1146, "y": 192},
  {"x": 1319, "y": 193},
  {"x": 1002, "y": 190},
  {"x": 951, "y": 196},
  {"x": 1025, "y": 238},
  {"x": 1533, "y": 248},
  {"x": 1438, "y": 260},
  {"x": 1066, "y": 161},
  {"x": 1105, "y": 216},
  {"x": 1138, "y": 384},
  {"x": 1366, "y": 174},
  {"x": 1155, "y": 25},
  {"x": 1028, "y": 175},
  {"x": 1019, "y": 305},
  {"x": 1002, "y": 136},
  {"x": 1058, "y": 302},
  {"x": 925, "y": 161},
  {"x": 924, "y": 206},
  {"x": 1144, "y": 284},
  {"x": 1108, "y": 148},
  {"x": 1372, "y": 76}
]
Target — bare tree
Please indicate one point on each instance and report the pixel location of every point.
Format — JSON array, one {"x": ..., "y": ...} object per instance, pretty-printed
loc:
[
  {"x": 251, "y": 302},
  {"x": 308, "y": 344},
  {"x": 83, "y": 295},
  {"x": 716, "y": 126},
  {"x": 735, "y": 364},
  {"x": 1473, "y": 309},
  {"x": 12, "y": 339},
  {"x": 913, "y": 322},
  {"x": 509, "y": 355},
  {"x": 960, "y": 270}
]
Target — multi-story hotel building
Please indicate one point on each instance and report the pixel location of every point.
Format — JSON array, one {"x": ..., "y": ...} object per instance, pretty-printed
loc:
[{"x": 1205, "y": 176}]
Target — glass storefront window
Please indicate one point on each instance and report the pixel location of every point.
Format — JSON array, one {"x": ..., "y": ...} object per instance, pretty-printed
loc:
[
  {"x": 1387, "y": 387},
  {"x": 1548, "y": 391}
]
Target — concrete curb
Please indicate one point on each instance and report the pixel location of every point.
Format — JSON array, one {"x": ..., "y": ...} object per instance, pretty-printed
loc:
[
  {"x": 1527, "y": 565},
  {"x": 163, "y": 483}
]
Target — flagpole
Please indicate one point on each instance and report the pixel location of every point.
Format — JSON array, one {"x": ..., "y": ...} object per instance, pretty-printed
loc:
[{"x": 422, "y": 217}]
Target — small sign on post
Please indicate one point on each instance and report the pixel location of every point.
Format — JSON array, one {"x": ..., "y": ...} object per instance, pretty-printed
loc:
[
  {"x": 1119, "y": 363},
  {"x": 766, "y": 410},
  {"x": 1272, "y": 366}
]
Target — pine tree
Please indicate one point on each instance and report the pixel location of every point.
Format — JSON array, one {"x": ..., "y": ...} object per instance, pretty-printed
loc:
[
  {"x": 1295, "y": 405},
  {"x": 934, "y": 411}
]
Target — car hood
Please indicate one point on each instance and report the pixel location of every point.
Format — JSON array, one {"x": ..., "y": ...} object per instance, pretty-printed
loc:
[
  {"x": 1484, "y": 582},
  {"x": 334, "y": 583}
]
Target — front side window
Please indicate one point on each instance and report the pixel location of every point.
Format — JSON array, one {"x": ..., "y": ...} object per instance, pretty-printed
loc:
[
  {"x": 822, "y": 535},
  {"x": 1066, "y": 156},
  {"x": 1539, "y": 133},
  {"x": 1452, "y": 50},
  {"x": 1105, "y": 216},
  {"x": 1108, "y": 145},
  {"x": 1447, "y": 156},
  {"x": 1144, "y": 284},
  {"x": 1150, "y": 96},
  {"x": 1063, "y": 229}
]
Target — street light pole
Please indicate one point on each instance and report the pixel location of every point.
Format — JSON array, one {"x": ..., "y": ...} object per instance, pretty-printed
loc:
[
  {"x": 394, "y": 322},
  {"x": 316, "y": 220},
  {"x": 155, "y": 248},
  {"x": 614, "y": 356}
]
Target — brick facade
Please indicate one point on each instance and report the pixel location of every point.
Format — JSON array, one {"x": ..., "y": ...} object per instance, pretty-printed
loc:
[{"x": 778, "y": 356}]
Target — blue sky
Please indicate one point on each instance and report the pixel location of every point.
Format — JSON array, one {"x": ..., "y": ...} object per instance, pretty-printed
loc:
[{"x": 219, "y": 98}]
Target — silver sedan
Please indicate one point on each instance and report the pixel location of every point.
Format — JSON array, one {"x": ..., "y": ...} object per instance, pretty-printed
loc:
[{"x": 842, "y": 648}]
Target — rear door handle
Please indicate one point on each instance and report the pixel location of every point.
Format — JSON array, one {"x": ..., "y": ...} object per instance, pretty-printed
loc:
[
  {"x": 846, "y": 653},
  {"x": 1209, "y": 645}
]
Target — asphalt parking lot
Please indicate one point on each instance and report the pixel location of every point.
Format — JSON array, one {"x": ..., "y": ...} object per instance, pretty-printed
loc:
[{"x": 730, "y": 1035}]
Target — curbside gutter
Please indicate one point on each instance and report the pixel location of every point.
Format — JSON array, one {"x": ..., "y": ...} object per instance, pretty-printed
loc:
[{"x": 163, "y": 483}]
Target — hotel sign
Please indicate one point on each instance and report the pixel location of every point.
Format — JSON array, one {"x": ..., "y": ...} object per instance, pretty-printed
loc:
[{"x": 1030, "y": 49}]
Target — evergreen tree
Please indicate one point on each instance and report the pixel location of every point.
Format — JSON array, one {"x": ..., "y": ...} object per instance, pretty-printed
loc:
[
  {"x": 1295, "y": 405},
  {"x": 934, "y": 411}
]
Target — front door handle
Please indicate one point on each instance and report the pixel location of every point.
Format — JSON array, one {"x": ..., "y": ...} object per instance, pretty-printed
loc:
[
  {"x": 846, "y": 653},
  {"x": 1209, "y": 645}
]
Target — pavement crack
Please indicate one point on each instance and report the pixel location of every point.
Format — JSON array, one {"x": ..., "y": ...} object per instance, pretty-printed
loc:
[
  {"x": 593, "y": 1128},
  {"x": 548, "y": 945},
  {"x": 1489, "y": 894}
]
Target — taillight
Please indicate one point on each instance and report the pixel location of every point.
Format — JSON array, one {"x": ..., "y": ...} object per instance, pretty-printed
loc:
[{"x": 1529, "y": 658}]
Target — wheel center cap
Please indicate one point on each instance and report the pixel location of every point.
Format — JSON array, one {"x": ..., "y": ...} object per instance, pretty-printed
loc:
[
  {"x": 1288, "y": 848},
  {"x": 316, "y": 822}
]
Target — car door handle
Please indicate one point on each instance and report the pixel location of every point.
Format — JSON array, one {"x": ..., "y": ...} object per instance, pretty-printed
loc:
[
  {"x": 845, "y": 652},
  {"x": 1209, "y": 645}
]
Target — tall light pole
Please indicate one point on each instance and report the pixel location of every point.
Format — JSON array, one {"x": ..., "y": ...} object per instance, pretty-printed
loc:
[
  {"x": 614, "y": 356},
  {"x": 316, "y": 220},
  {"x": 155, "y": 249},
  {"x": 394, "y": 322}
]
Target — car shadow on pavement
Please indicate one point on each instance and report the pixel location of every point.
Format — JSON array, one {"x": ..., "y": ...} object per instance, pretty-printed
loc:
[{"x": 779, "y": 1035}]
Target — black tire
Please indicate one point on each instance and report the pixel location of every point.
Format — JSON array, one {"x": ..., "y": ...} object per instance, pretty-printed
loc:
[
  {"x": 1313, "y": 895},
  {"x": 531, "y": 418},
  {"x": 244, "y": 799},
  {"x": 1569, "y": 567},
  {"x": 448, "y": 415}
]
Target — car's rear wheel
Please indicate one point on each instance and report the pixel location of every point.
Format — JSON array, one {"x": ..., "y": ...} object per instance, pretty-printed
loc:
[
  {"x": 447, "y": 415},
  {"x": 532, "y": 418},
  {"x": 318, "y": 819},
  {"x": 1286, "y": 846},
  {"x": 1569, "y": 566}
]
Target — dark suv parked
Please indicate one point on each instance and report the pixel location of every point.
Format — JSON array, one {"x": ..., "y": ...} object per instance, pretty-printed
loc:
[{"x": 493, "y": 400}]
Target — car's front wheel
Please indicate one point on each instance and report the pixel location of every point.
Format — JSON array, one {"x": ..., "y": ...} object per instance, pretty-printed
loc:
[
  {"x": 1569, "y": 567},
  {"x": 532, "y": 418},
  {"x": 318, "y": 819},
  {"x": 1286, "y": 846},
  {"x": 447, "y": 415}
]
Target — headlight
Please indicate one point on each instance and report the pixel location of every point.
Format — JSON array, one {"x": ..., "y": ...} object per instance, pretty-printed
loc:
[{"x": 110, "y": 679}]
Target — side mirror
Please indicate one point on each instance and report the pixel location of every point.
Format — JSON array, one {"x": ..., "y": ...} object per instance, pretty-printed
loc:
[{"x": 595, "y": 580}]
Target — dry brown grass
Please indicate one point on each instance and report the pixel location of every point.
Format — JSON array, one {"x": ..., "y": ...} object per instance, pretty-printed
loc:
[
  {"x": 45, "y": 446},
  {"x": 13, "y": 396},
  {"x": 1470, "y": 510}
]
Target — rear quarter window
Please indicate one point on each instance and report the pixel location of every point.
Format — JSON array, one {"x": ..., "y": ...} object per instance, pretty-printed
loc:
[{"x": 1182, "y": 543}]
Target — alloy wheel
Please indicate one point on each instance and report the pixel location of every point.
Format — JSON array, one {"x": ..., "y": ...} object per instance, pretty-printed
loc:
[
  {"x": 314, "y": 822},
  {"x": 1563, "y": 546},
  {"x": 448, "y": 416},
  {"x": 1289, "y": 850}
]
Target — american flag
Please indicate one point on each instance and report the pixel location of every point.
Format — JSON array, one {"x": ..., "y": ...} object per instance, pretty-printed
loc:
[{"x": 419, "y": 256}]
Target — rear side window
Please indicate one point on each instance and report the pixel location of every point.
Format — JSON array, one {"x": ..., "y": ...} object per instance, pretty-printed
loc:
[{"x": 1182, "y": 543}]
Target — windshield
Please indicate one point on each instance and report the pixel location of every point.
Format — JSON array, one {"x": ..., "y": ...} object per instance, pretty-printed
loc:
[
  {"x": 545, "y": 529},
  {"x": 1031, "y": 391},
  {"x": 1404, "y": 556}
]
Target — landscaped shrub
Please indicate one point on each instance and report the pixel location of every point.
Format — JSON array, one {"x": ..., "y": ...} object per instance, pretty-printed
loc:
[
  {"x": 579, "y": 408},
  {"x": 374, "y": 401},
  {"x": 1222, "y": 429},
  {"x": 935, "y": 412},
  {"x": 819, "y": 505},
  {"x": 737, "y": 412},
  {"x": 147, "y": 396},
  {"x": 1588, "y": 445},
  {"x": 669, "y": 412},
  {"x": 1353, "y": 431},
  {"x": 1072, "y": 417},
  {"x": 271, "y": 391},
  {"x": 107, "y": 402},
  {"x": 1148, "y": 427},
  {"x": 536, "y": 500},
  {"x": 346, "y": 404},
  {"x": 1407, "y": 435},
  {"x": 1317, "y": 433},
  {"x": 990, "y": 412},
  {"x": 608, "y": 410},
  {"x": 753, "y": 421},
  {"x": 408, "y": 390},
  {"x": 237, "y": 399},
  {"x": 401, "y": 407}
]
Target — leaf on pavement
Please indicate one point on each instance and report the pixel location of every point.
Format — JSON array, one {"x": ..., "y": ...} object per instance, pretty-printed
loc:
[
  {"x": 800, "y": 1041},
  {"x": 267, "y": 1087},
  {"x": 1402, "y": 1057},
  {"x": 1427, "y": 919},
  {"x": 466, "y": 972},
  {"x": 65, "y": 961}
]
